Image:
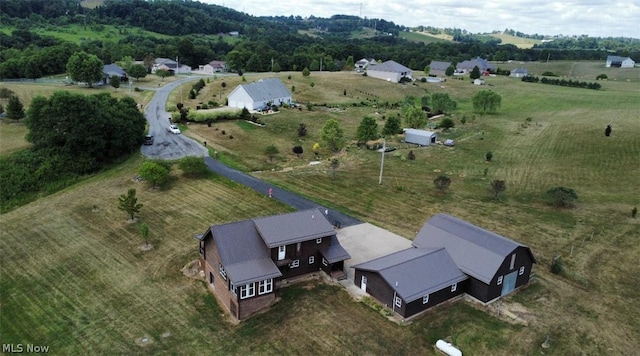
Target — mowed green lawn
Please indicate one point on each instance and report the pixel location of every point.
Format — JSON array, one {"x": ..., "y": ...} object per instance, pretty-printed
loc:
[{"x": 103, "y": 294}]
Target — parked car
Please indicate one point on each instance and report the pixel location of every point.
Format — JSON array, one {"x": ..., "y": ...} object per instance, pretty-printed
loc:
[
  {"x": 173, "y": 129},
  {"x": 449, "y": 143},
  {"x": 148, "y": 140}
]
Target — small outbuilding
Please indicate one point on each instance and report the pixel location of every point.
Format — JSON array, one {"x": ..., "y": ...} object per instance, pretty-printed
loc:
[
  {"x": 420, "y": 137},
  {"x": 619, "y": 62}
]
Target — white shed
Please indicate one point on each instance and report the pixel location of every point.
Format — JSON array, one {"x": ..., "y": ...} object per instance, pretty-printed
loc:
[
  {"x": 420, "y": 137},
  {"x": 390, "y": 71}
]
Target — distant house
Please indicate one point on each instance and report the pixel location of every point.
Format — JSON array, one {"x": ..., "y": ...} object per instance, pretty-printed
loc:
[
  {"x": 519, "y": 72},
  {"x": 234, "y": 33},
  {"x": 438, "y": 68},
  {"x": 478, "y": 81},
  {"x": 244, "y": 262},
  {"x": 449, "y": 257},
  {"x": 481, "y": 63},
  {"x": 619, "y": 62},
  {"x": 364, "y": 63},
  {"x": 260, "y": 94},
  {"x": 171, "y": 66},
  {"x": 420, "y": 137},
  {"x": 110, "y": 70},
  {"x": 390, "y": 71},
  {"x": 213, "y": 67}
]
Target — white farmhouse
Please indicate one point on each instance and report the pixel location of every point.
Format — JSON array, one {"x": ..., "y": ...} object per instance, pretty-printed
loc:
[{"x": 256, "y": 95}]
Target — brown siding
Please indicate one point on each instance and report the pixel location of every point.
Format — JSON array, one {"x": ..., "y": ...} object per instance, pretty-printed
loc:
[
  {"x": 220, "y": 287},
  {"x": 435, "y": 298},
  {"x": 376, "y": 287},
  {"x": 307, "y": 249},
  {"x": 252, "y": 305}
]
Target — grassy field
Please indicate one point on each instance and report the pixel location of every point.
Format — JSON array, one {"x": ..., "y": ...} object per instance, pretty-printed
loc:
[
  {"x": 516, "y": 41},
  {"x": 425, "y": 37},
  {"x": 103, "y": 294}
]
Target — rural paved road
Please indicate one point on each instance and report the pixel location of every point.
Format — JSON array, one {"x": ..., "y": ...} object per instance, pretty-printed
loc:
[{"x": 169, "y": 146}]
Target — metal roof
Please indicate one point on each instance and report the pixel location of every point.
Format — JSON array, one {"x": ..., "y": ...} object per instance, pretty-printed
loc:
[
  {"x": 416, "y": 272},
  {"x": 617, "y": 59},
  {"x": 482, "y": 64},
  {"x": 242, "y": 253},
  {"x": 390, "y": 66},
  {"x": 437, "y": 65},
  {"x": 334, "y": 252},
  {"x": 285, "y": 229},
  {"x": 113, "y": 69},
  {"x": 265, "y": 89},
  {"x": 477, "y": 252},
  {"x": 418, "y": 132}
]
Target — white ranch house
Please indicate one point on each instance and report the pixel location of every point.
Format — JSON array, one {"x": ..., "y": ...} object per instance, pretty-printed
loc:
[
  {"x": 259, "y": 94},
  {"x": 619, "y": 62},
  {"x": 390, "y": 71}
]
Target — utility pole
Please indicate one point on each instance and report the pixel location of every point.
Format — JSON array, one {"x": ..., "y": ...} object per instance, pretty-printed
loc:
[
  {"x": 384, "y": 147},
  {"x": 177, "y": 66},
  {"x": 321, "y": 64},
  {"x": 272, "y": 64}
]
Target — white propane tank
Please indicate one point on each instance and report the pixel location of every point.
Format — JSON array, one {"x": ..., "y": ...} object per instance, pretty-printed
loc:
[{"x": 447, "y": 348}]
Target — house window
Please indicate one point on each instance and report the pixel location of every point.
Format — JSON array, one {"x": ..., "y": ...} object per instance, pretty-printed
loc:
[
  {"x": 513, "y": 262},
  {"x": 265, "y": 286},
  {"x": 312, "y": 260},
  {"x": 223, "y": 273},
  {"x": 425, "y": 299},
  {"x": 454, "y": 287},
  {"x": 211, "y": 278},
  {"x": 202, "y": 249},
  {"x": 500, "y": 280},
  {"x": 298, "y": 248},
  {"x": 247, "y": 290},
  {"x": 521, "y": 272},
  {"x": 319, "y": 240},
  {"x": 294, "y": 264},
  {"x": 324, "y": 262},
  {"x": 397, "y": 302},
  {"x": 281, "y": 252},
  {"x": 232, "y": 288}
]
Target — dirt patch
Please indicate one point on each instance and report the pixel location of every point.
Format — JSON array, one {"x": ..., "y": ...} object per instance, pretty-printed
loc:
[
  {"x": 511, "y": 312},
  {"x": 146, "y": 247},
  {"x": 192, "y": 270},
  {"x": 144, "y": 340}
]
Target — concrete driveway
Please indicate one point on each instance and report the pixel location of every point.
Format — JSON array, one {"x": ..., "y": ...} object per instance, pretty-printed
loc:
[{"x": 365, "y": 242}]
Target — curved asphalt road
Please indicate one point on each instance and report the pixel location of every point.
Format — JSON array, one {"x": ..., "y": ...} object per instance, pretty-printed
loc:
[{"x": 169, "y": 146}]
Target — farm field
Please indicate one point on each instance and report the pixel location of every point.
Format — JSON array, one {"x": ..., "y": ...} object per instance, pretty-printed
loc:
[
  {"x": 519, "y": 42},
  {"x": 105, "y": 294}
]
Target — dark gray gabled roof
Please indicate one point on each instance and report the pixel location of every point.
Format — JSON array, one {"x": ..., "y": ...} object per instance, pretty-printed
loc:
[
  {"x": 390, "y": 66},
  {"x": 616, "y": 59},
  {"x": 243, "y": 254},
  {"x": 437, "y": 65},
  {"x": 113, "y": 69},
  {"x": 519, "y": 70},
  {"x": 334, "y": 252},
  {"x": 416, "y": 272},
  {"x": 482, "y": 64},
  {"x": 477, "y": 252},
  {"x": 265, "y": 89},
  {"x": 293, "y": 227}
]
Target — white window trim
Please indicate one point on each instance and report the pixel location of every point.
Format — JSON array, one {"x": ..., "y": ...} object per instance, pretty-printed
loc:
[
  {"x": 294, "y": 264},
  {"x": 325, "y": 262},
  {"x": 265, "y": 286},
  {"x": 500, "y": 280},
  {"x": 398, "y": 302},
  {"x": 319, "y": 240},
  {"x": 513, "y": 262},
  {"x": 233, "y": 289},
  {"x": 247, "y": 291},
  {"x": 222, "y": 272},
  {"x": 521, "y": 272},
  {"x": 312, "y": 260},
  {"x": 454, "y": 287},
  {"x": 425, "y": 299},
  {"x": 282, "y": 252}
]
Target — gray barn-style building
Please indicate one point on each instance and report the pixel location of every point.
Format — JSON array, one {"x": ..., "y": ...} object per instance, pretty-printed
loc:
[{"x": 449, "y": 257}]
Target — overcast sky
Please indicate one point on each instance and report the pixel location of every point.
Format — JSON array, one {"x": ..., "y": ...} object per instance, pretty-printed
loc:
[{"x": 597, "y": 18}]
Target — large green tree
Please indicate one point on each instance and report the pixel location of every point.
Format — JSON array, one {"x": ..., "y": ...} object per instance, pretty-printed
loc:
[
  {"x": 92, "y": 129},
  {"x": 154, "y": 172},
  {"x": 442, "y": 102},
  {"x": 137, "y": 71},
  {"x": 486, "y": 101},
  {"x": 475, "y": 73},
  {"x": 414, "y": 117},
  {"x": 85, "y": 67},
  {"x": 392, "y": 126},
  {"x": 15, "y": 110},
  {"x": 367, "y": 130},
  {"x": 333, "y": 134}
]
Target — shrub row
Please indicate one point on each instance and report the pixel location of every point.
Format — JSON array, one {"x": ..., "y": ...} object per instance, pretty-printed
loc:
[{"x": 561, "y": 82}]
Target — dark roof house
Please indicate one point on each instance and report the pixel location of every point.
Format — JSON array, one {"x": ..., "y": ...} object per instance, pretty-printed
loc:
[
  {"x": 449, "y": 257},
  {"x": 519, "y": 72},
  {"x": 243, "y": 261},
  {"x": 259, "y": 94},
  {"x": 481, "y": 63},
  {"x": 390, "y": 71},
  {"x": 438, "y": 68}
]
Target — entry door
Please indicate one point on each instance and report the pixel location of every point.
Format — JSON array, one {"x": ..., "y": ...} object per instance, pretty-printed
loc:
[
  {"x": 281, "y": 252},
  {"x": 363, "y": 284},
  {"x": 509, "y": 282}
]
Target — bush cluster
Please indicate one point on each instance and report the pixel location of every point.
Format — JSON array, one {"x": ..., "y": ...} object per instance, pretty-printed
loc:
[{"x": 561, "y": 82}]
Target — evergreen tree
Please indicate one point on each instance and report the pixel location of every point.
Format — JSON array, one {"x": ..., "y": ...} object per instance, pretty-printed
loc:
[{"x": 15, "y": 110}]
